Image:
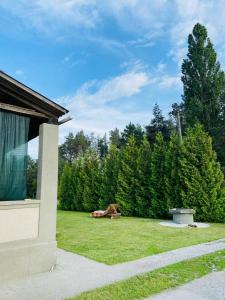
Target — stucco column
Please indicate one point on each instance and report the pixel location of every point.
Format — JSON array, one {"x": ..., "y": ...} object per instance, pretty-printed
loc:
[{"x": 47, "y": 180}]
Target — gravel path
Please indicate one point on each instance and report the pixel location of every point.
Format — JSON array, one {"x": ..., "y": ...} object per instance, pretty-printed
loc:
[
  {"x": 209, "y": 287},
  {"x": 74, "y": 273}
]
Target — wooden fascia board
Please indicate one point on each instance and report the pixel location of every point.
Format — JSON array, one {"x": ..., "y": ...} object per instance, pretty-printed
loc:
[{"x": 22, "y": 110}]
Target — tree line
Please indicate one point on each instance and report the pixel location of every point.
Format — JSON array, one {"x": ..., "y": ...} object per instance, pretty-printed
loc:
[
  {"x": 147, "y": 180},
  {"x": 146, "y": 169}
]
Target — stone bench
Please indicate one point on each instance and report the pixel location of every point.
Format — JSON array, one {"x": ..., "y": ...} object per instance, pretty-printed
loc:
[{"x": 182, "y": 215}]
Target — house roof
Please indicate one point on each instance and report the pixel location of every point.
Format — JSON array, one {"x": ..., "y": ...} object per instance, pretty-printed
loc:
[{"x": 16, "y": 96}]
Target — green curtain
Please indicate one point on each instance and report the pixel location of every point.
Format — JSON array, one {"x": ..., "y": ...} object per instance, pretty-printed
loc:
[{"x": 13, "y": 156}]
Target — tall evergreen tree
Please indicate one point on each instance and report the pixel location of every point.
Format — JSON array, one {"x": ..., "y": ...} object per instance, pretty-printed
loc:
[
  {"x": 132, "y": 130},
  {"x": 66, "y": 189},
  {"x": 172, "y": 172},
  {"x": 78, "y": 179},
  {"x": 115, "y": 138},
  {"x": 74, "y": 146},
  {"x": 92, "y": 181},
  {"x": 126, "y": 187},
  {"x": 158, "y": 124},
  {"x": 202, "y": 177},
  {"x": 102, "y": 146},
  {"x": 159, "y": 203},
  {"x": 143, "y": 180},
  {"x": 109, "y": 177},
  {"x": 203, "y": 82}
]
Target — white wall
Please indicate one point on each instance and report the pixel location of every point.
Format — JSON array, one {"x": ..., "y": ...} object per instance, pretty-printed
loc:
[{"x": 19, "y": 220}]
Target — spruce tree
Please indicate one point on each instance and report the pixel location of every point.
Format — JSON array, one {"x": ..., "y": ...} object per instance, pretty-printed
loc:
[
  {"x": 201, "y": 177},
  {"x": 159, "y": 204},
  {"x": 126, "y": 187},
  {"x": 74, "y": 146},
  {"x": 115, "y": 138},
  {"x": 132, "y": 130},
  {"x": 143, "y": 180},
  {"x": 109, "y": 177},
  {"x": 159, "y": 124},
  {"x": 102, "y": 146},
  {"x": 66, "y": 189}
]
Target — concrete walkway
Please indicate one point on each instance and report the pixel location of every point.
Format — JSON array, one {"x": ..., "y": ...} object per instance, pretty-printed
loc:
[
  {"x": 209, "y": 287},
  {"x": 74, "y": 273}
]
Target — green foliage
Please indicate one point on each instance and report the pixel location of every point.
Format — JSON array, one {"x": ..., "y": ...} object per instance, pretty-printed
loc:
[
  {"x": 159, "y": 124},
  {"x": 109, "y": 177},
  {"x": 115, "y": 138},
  {"x": 32, "y": 167},
  {"x": 61, "y": 165},
  {"x": 204, "y": 82},
  {"x": 132, "y": 130},
  {"x": 74, "y": 146},
  {"x": 91, "y": 182},
  {"x": 159, "y": 204},
  {"x": 143, "y": 180},
  {"x": 78, "y": 177},
  {"x": 126, "y": 185},
  {"x": 202, "y": 180},
  {"x": 202, "y": 78},
  {"x": 102, "y": 146},
  {"x": 66, "y": 189},
  {"x": 147, "y": 182},
  {"x": 172, "y": 173}
]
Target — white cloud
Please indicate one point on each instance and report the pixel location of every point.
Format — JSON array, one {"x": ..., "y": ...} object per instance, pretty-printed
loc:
[
  {"x": 102, "y": 119},
  {"x": 160, "y": 67},
  {"x": 147, "y": 20},
  {"x": 142, "y": 42},
  {"x": 167, "y": 81},
  {"x": 49, "y": 16},
  {"x": 125, "y": 85},
  {"x": 135, "y": 15},
  {"x": 19, "y": 72},
  {"x": 188, "y": 13},
  {"x": 99, "y": 106}
]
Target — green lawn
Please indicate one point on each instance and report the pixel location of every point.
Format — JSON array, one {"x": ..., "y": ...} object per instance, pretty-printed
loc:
[
  {"x": 142, "y": 286},
  {"x": 119, "y": 240}
]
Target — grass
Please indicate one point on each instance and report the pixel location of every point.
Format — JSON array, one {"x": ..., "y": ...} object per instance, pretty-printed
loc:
[
  {"x": 142, "y": 286},
  {"x": 115, "y": 241}
]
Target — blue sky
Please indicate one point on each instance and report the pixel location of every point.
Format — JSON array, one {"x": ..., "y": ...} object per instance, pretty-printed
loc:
[{"x": 107, "y": 61}]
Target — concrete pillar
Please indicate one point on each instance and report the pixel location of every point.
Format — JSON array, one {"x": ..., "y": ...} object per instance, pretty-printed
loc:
[{"x": 47, "y": 181}]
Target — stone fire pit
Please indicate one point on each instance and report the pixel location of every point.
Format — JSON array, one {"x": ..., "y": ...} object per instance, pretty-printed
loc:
[{"x": 182, "y": 215}]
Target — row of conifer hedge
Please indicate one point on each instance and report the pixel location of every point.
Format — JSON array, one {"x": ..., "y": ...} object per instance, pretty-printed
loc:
[{"x": 146, "y": 180}]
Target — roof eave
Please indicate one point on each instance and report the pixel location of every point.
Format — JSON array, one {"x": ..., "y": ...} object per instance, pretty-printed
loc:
[{"x": 35, "y": 98}]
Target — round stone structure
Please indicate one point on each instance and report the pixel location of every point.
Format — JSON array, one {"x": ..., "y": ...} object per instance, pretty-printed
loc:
[{"x": 182, "y": 215}]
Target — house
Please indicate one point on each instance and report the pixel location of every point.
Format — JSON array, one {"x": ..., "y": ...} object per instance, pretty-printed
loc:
[{"x": 27, "y": 226}]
